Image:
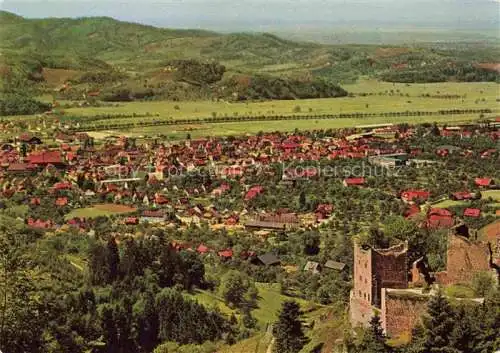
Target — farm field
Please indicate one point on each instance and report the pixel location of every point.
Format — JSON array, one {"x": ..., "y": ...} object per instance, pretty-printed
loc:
[
  {"x": 99, "y": 210},
  {"x": 372, "y": 103},
  {"x": 241, "y": 128}
]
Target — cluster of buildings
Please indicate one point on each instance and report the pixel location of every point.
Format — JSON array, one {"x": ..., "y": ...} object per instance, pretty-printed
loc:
[{"x": 75, "y": 170}]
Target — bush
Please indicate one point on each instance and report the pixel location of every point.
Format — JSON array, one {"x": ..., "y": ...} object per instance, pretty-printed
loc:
[{"x": 482, "y": 283}]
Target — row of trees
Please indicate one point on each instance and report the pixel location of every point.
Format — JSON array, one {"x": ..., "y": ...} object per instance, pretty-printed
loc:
[
  {"x": 107, "y": 266},
  {"x": 442, "y": 73},
  {"x": 214, "y": 119}
]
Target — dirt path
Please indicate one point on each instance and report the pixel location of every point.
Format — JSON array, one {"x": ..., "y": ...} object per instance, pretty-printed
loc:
[{"x": 270, "y": 347}]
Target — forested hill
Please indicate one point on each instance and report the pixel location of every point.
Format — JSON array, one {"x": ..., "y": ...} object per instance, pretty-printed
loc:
[
  {"x": 128, "y": 61},
  {"x": 139, "y": 45}
]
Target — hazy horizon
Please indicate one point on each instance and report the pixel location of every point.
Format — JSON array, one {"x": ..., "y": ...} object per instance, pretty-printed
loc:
[{"x": 300, "y": 19}]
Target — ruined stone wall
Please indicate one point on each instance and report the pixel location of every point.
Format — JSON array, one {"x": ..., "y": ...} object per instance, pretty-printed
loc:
[
  {"x": 400, "y": 313},
  {"x": 464, "y": 259},
  {"x": 362, "y": 289},
  {"x": 390, "y": 271},
  {"x": 360, "y": 311}
]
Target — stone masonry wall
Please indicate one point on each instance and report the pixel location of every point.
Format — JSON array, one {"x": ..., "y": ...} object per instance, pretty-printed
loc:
[
  {"x": 401, "y": 313},
  {"x": 363, "y": 274},
  {"x": 390, "y": 270},
  {"x": 464, "y": 259}
]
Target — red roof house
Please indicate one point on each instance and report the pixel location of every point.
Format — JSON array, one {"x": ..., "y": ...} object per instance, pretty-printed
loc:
[
  {"x": 412, "y": 195},
  {"x": 46, "y": 157},
  {"x": 412, "y": 211},
  {"x": 462, "y": 195},
  {"x": 61, "y": 201},
  {"x": 21, "y": 168},
  {"x": 131, "y": 221},
  {"x": 202, "y": 249},
  {"x": 438, "y": 221},
  {"x": 440, "y": 212},
  {"x": 472, "y": 212},
  {"x": 225, "y": 254},
  {"x": 484, "y": 182},
  {"x": 253, "y": 192},
  {"x": 354, "y": 181},
  {"x": 39, "y": 224},
  {"x": 62, "y": 186}
]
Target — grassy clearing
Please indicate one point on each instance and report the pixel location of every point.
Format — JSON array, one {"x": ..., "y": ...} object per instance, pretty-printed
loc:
[
  {"x": 105, "y": 210},
  {"x": 326, "y": 331},
  {"x": 256, "y": 344},
  {"x": 459, "y": 291},
  {"x": 268, "y": 305},
  {"x": 211, "y": 300},
  {"x": 329, "y": 325},
  {"x": 494, "y": 194},
  {"x": 449, "y": 203}
]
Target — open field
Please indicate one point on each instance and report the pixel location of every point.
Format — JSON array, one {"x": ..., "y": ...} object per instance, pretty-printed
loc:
[
  {"x": 393, "y": 98},
  {"x": 209, "y": 299},
  {"x": 470, "y": 89},
  {"x": 100, "y": 210},
  {"x": 494, "y": 194},
  {"x": 241, "y": 128},
  {"x": 269, "y": 302},
  {"x": 372, "y": 103},
  {"x": 449, "y": 203}
]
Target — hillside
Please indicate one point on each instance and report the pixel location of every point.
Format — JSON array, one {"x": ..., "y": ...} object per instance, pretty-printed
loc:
[{"x": 126, "y": 61}]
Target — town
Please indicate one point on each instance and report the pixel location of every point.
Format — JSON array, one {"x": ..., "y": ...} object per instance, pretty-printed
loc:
[
  {"x": 249, "y": 176},
  {"x": 334, "y": 206}
]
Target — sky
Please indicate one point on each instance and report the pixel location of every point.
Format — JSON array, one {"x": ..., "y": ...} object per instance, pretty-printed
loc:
[{"x": 234, "y": 15}]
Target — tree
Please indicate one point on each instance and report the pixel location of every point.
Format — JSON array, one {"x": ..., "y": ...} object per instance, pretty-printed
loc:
[
  {"x": 374, "y": 338},
  {"x": 24, "y": 149},
  {"x": 168, "y": 266},
  {"x": 108, "y": 325},
  {"x": 131, "y": 263},
  {"x": 98, "y": 266},
  {"x": 288, "y": 333},
  {"x": 435, "y": 130},
  {"x": 20, "y": 327},
  {"x": 439, "y": 325},
  {"x": 482, "y": 283},
  {"x": 192, "y": 269},
  {"x": 237, "y": 289},
  {"x": 113, "y": 259},
  {"x": 312, "y": 242},
  {"x": 302, "y": 200}
]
